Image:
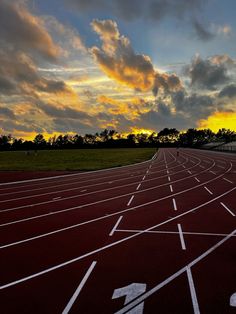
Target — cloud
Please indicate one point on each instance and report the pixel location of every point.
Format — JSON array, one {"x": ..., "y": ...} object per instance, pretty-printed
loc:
[
  {"x": 118, "y": 60},
  {"x": 228, "y": 91},
  {"x": 24, "y": 31},
  {"x": 202, "y": 32},
  {"x": 193, "y": 106},
  {"x": 7, "y": 113},
  {"x": 209, "y": 73},
  {"x": 187, "y": 11}
]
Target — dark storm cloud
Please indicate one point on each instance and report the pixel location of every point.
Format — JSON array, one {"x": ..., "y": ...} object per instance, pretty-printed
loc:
[
  {"x": 228, "y": 91},
  {"x": 207, "y": 74}
]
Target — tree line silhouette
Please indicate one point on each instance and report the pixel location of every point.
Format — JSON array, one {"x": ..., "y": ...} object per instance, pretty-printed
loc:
[{"x": 112, "y": 139}]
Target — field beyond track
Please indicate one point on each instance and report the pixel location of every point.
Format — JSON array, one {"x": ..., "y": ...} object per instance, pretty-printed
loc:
[{"x": 73, "y": 159}]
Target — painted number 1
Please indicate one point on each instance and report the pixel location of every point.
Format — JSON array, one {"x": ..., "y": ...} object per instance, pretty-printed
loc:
[{"x": 131, "y": 292}]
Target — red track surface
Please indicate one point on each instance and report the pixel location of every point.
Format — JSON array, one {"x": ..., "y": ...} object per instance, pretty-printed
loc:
[{"x": 155, "y": 237}]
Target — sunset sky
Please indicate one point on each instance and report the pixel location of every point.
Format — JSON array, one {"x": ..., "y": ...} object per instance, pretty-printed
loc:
[{"x": 79, "y": 66}]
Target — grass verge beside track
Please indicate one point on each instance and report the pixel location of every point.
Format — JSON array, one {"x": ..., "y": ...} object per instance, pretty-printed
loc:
[{"x": 73, "y": 159}]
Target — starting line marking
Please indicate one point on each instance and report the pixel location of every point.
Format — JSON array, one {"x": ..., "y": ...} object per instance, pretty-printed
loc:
[
  {"x": 181, "y": 237},
  {"x": 208, "y": 190},
  {"x": 233, "y": 214},
  {"x": 80, "y": 287},
  {"x": 116, "y": 225}
]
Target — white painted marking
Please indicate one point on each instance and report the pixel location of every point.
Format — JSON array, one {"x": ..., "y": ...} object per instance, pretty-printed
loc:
[
  {"x": 175, "y": 232},
  {"x": 196, "y": 309},
  {"x": 171, "y": 188},
  {"x": 232, "y": 301},
  {"x": 197, "y": 179},
  {"x": 138, "y": 186},
  {"x": 181, "y": 237},
  {"x": 83, "y": 191},
  {"x": 175, "y": 275},
  {"x": 110, "y": 182},
  {"x": 174, "y": 204},
  {"x": 183, "y": 166},
  {"x": 129, "y": 202},
  {"x": 167, "y": 171},
  {"x": 189, "y": 172},
  {"x": 80, "y": 287},
  {"x": 209, "y": 191},
  {"x": 201, "y": 166},
  {"x": 131, "y": 292},
  {"x": 168, "y": 178},
  {"x": 220, "y": 166},
  {"x": 115, "y": 226},
  {"x": 227, "y": 180},
  {"x": 68, "y": 262},
  {"x": 212, "y": 172},
  {"x": 143, "y": 178},
  {"x": 147, "y": 171},
  {"x": 233, "y": 214},
  {"x": 57, "y": 198}
]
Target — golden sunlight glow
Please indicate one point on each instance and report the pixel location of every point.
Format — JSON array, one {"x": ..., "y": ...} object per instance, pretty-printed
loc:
[
  {"x": 218, "y": 121},
  {"x": 136, "y": 130}
]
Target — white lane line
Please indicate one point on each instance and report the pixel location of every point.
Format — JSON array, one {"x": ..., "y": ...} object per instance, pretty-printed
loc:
[
  {"x": 68, "y": 262},
  {"x": 220, "y": 166},
  {"x": 80, "y": 287},
  {"x": 212, "y": 172},
  {"x": 196, "y": 309},
  {"x": 192, "y": 161},
  {"x": 147, "y": 171},
  {"x": 83, "y": 191},
  {"x": 168, "y": 178},
  {"x": 197, "y": 179},
  {"x": 110, "y": 182},
  {"x": 201, "y": 166},
  {"x": 129, "y": 202},
  {"x": 209, "y": 191},
  {"x": 56, "y": 198},
  {"x": 144, "y": 177},
  {"x": 174, "y": 204},
  {"x": 227, "y": 180},
  {"x": 233, "y": 214},
  {"x": 115, "y": 226},
  {"x": 167, "y": 171},
  {"x": 138, "y": 187},
  {"x": 175, "y": 232},
  {"x": 183, "y": 166},
  {"x": 171, "y": 188},
  {"x": 189, "y": 172},
  {"x": 147, "y": 294},
  {"x": 181, "y": 236}
]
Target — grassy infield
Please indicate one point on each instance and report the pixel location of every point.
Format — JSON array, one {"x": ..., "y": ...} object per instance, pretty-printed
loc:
[{"x": 76, "y": 159}]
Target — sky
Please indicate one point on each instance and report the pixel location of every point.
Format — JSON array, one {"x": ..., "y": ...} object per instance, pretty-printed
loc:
[{"x": 80, "y": 66}]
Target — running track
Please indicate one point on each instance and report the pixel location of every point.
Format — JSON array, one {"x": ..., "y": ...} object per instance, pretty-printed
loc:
[{"x": 155, "y": 237}]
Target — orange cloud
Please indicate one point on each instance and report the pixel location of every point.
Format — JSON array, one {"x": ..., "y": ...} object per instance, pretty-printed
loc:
[
  {"x": 218, "y": 121},
  {"x": 119, "y": 61}
]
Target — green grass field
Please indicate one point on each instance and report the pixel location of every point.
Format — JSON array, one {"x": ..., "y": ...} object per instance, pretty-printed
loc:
[{"x": 76, "y": 159}]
